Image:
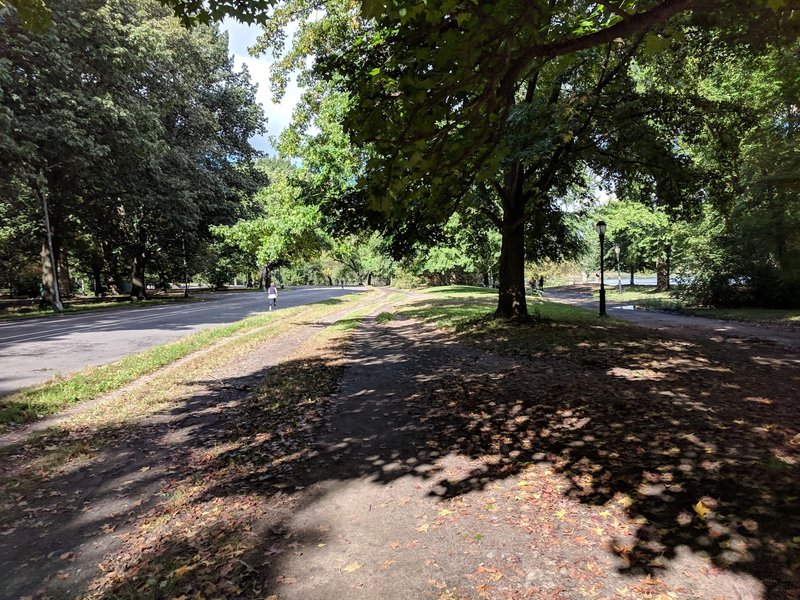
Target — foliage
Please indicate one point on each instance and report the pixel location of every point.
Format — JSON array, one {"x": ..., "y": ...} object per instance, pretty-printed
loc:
[
  {"x": 280, "y": 227},
  {"x": 744, "y": 246},
  {"x": 134, "y": 129}
]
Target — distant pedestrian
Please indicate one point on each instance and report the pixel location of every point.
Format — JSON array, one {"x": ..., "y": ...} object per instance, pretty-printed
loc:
[
  {"x": 272, "y": 296},
  {"x": 541, "y": 282}
]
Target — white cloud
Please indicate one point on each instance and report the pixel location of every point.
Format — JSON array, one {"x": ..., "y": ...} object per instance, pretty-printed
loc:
[{"x": 278, "y": 114}]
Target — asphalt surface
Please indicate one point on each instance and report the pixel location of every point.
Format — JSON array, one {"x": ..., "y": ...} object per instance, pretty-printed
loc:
[{"x": 34, "y": 350}]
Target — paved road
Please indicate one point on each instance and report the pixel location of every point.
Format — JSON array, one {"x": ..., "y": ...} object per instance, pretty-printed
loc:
[
  {"x": 34, "y": 350},
  {"x": 689, "y": 324}
]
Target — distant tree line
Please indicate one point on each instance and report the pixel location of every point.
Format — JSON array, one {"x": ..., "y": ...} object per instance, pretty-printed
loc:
[{"x": 132, "y": 133}]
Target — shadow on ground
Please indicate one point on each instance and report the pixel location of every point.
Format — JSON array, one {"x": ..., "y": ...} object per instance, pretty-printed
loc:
[{"x": 699, "y": 441}]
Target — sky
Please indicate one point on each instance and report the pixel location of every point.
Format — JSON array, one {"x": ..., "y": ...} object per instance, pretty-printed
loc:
[{"x": 278, "y": 116}]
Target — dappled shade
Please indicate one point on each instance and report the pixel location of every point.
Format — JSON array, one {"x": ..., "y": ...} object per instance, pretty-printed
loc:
[{"x": 684, "y": 445}]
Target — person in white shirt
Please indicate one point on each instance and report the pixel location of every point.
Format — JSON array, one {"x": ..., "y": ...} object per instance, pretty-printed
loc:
[{"x": 272, "y": 296}]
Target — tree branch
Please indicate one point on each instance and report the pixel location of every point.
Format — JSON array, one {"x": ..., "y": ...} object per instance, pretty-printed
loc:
[{"x": 617, "y": 9}]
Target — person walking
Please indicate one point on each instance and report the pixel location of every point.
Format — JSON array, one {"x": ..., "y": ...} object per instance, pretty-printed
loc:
[{"x": 272, "y": 296}]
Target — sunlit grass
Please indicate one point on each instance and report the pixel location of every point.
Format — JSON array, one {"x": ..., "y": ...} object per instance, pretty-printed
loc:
[
  {"x": 468, "y": 312},
  {"x": 454, "y": 307}
]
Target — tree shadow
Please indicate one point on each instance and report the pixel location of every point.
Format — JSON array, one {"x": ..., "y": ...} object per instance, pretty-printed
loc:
[{"x": 698, "y": 441}]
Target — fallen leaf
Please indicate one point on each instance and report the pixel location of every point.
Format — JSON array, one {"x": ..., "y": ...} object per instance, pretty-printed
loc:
[
  {"x": 423, "y": 528},
  {"x": 181, "y": 571},
  {"x": 353, "y": 566},
  {"x": 701, "y": 509},
  {"x": 387, "y": 563}
]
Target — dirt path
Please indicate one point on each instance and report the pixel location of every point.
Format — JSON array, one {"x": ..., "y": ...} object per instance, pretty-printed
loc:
[
  {"x": 686, "y": 325},
  {"x": 440, "y": 470},
  {"x": 53, "y": 537},
  {"x": 398, "y": 505}
]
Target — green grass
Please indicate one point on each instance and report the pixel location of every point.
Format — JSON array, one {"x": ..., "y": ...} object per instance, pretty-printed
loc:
[
  {"x": 468, "y": 312},
  {"x": 73, "y": 307},
  {"x": 455, "y": 307},
  {"x": 33, "y": 403}
]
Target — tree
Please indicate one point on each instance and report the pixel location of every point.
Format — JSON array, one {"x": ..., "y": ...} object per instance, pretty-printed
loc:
[
  {"x": 280, "y": 228},
  {"x": 132, "y": 129},
  {"x": 440, "y": 90},
  {"x": 743, "y": 247},
  {"x": 645, "y": 235}
]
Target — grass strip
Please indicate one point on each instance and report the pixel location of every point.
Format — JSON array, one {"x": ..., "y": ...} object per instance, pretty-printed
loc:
[
  {"x": 752, "y": 315},
  {"x": 33, "y": 403},
  {"x": 647, "y": 297},
  {"x": 26, "y": 313}
]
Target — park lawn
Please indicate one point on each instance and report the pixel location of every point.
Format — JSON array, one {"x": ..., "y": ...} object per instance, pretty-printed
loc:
[
  {"x": 644, "y": 296},
  {"x": 31, "y": 311},
  {"x": 555, "y": 328}
]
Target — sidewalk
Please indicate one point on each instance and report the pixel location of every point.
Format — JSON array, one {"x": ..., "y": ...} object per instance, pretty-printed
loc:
[{"x": 687, "y": 325}]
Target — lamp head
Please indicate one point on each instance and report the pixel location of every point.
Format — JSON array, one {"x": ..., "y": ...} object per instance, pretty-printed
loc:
[{"x": 601, "y": 227}]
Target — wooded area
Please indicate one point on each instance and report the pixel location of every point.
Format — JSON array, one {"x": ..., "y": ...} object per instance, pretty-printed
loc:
[{"x": 447, "y": 141}]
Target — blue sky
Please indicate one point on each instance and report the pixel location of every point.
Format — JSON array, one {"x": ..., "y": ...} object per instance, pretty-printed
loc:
[{"x": 278, "y": 116}]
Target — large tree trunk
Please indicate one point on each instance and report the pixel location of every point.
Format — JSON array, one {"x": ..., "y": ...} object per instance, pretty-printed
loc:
[
  {"x": 511, "y": 303},
  {"x": 49, "y": 262},
  {"x": 662, "y": 276},
  {"x": 138, "y": 289},
  {"x": 64, "y": 279},
  {"x": 97, "y": 277},
  {"x": 49, "y": 279}
]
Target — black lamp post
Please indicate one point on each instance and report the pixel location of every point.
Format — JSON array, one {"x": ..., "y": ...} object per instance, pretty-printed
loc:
[{"x": 601, "y": 231}]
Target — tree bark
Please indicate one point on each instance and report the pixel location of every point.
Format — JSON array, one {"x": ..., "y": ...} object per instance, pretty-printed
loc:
[
  {"x": 138, "y": 290},
  {"x": 97, "y": 278},
  {"x": 49, "y": 262},
  {"x": 65, "y": 283},
  {"x": 662, "y": 276},
  {"x": 511, "y": 303},
  {"x": 49, "y": 280}
]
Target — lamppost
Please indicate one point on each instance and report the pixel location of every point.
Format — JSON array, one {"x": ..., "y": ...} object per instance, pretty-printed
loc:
[
  {"x": 601, "y": 231},
  {"x": 619, "y": 275}
]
